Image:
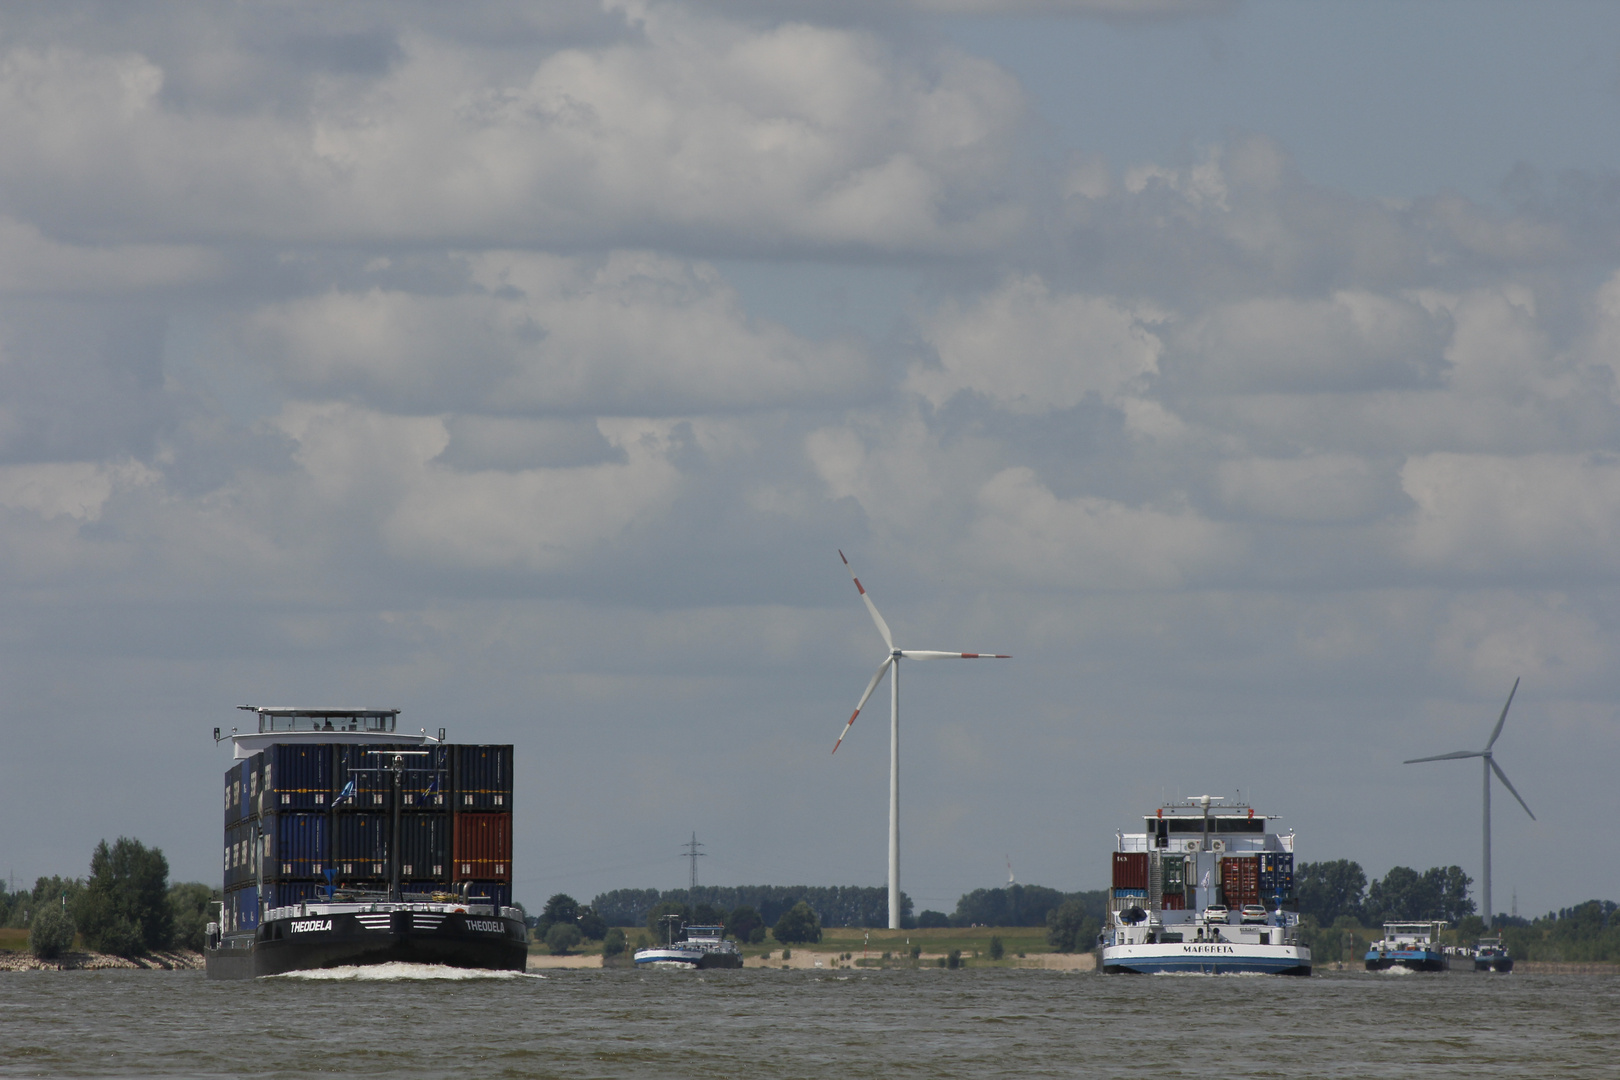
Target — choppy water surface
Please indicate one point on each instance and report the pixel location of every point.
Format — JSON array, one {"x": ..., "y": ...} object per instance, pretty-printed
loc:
[{"x": 770, "y": 1024}]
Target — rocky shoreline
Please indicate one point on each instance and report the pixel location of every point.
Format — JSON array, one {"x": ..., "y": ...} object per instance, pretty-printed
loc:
[{"x": 178, "y": 960}]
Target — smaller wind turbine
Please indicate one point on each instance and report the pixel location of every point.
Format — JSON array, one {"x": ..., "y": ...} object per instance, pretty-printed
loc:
[
  {"x": 1490, "y": 767},
  {"x": 892, "y": 660}
]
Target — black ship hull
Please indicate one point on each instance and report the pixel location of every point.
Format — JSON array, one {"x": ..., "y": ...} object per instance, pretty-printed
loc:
[
  {"x": 1499, "y": 963},
  {"x": 344, "y": 939}
]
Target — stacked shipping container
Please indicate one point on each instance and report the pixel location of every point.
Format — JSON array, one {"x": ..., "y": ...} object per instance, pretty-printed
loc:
[
  {"x": 1240, "y": 880},
  {"x": 290, "y": 818}
]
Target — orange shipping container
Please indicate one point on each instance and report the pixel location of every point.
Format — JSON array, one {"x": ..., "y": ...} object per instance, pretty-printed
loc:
[{"x": 483, "y": 848}]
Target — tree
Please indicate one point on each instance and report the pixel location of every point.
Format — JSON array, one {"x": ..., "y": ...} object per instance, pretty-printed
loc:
[
  {"x": 743, "y": 921},
  {"x": 799, "y": 924},
  {"x": 561, "y": 937},
  {"x": 193, "y": 905},
  {"x": 933, "y": 920},
  {"x": 613, "y": 942},
  {"x": 124, "y": 908},
  {"x": 1015, "y": 905},
  {"x": 50, "y": 932},
  {"x": 997, "y": 949},
  {"x": 1328, "y": 890},
  {"x": 592, "y": 925},
  {"x": 1405, "y": 894},
  {"x": 659, "y": 928},
  {"x": 1070, "y": 926},
  {"x": 707, "y": 914},
  {"x": 561, "y": 908}
]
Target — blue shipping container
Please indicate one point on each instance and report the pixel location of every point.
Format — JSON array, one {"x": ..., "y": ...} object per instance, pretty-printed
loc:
[
  {"x": 239, "y": 785},
  {"x": 426, "y": 782},
  {"x": 297, "y": 777},
  {"x": 373, "y": 789},
  {"x": 483, "y": 779},
  {"x": 288, "y": 893},
  {"x": 360, "y": 845},
  {"x": 242, "y": 909},
  {"x": 424, "y": 846},
  {"x": 498, "y": 893},
  {"x": 1131, "y": 894},
  {"x": 238, "y": 865},
  {"x": 297, "y": 846}
]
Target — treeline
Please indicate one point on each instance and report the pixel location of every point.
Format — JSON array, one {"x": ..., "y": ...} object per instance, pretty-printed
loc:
[
  {"x": 835, "y": 905},
  {"x": 1072, "y": 919},
  {"x": 1583, "y": 933},
  {"x": 125, "y": 907},
  {"x": 1015, "y": 905},
  {"x": 1330, "y": 891}
]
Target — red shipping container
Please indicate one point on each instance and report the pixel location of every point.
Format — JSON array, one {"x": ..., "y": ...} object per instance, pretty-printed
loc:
[
  {"x": 1130, "y": 870},
  {"x": 483, "y": 848},
  {"x": 1240, "y": 880},
  {"x": 1175, "y": 901}
]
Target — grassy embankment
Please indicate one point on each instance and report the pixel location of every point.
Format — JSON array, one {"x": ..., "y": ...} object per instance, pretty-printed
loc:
[{"x": 14, "y": 939}]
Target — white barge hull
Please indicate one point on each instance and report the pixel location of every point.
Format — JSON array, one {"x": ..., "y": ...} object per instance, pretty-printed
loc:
[{"x": 1206, "y": 958}]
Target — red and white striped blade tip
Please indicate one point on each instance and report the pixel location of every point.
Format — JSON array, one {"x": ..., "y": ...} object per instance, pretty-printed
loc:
[
  {"x": 847, "y": 726},
  {"x": 877, "y": 620}
]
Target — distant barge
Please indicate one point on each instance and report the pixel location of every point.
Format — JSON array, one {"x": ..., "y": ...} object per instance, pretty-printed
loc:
[{"x": 349, "y": 843}]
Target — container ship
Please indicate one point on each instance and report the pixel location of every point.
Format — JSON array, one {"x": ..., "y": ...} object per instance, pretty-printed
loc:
[
  {"x": 1204, "y": 889},
  {"x": 348, "y": 842}
]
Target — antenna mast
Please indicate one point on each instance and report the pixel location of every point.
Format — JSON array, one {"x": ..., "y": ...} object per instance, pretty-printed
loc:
[{"x": 691, "y": 852}]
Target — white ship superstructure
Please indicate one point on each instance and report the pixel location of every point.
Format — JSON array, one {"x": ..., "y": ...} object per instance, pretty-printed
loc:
[
  {"x": 703, "y": 947},
  {"x": 1206, "y": 887}
]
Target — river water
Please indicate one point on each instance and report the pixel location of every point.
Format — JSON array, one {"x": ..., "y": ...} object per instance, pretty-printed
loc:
[{"x": 790, "y": 1024}]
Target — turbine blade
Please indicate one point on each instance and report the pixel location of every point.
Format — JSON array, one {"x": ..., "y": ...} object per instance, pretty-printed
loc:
[
  {"x": 911, "y": 654},
  {"x": 871, "y": 686},
  {"x": 1446, "y": 757},
  {"x": 883, "y": 627},
  {"x": 1500, "y": 720},
  {"x": 1502, "y": 776}
]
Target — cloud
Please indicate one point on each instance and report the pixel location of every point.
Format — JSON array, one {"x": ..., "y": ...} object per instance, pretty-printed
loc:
[
  {"x": 1350, "y": 341},
  {"x": 1514, "y": 517},
  {"x": 728, "y": 137},
  {"x": 536, "y": 519},
  {"x": 69, "y": 489},
  {"x": 383, "y": 471},
  {"x": 1025, "y": 532},
  {"x": 1317, "y": 488},
  {"x": 633, "y": 333},
  {"x": 1543, "y": 637},
  {"x": 1031, "y": 352},
  {"x": 32, "y": 264}
]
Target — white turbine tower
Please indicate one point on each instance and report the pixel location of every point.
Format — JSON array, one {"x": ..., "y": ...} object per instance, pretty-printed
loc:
[
  {"x": 892, "y": 660},
  {"x": 1490, "y": 766}
]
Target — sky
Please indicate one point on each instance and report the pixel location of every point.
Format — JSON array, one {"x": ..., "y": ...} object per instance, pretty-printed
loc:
[{"x": 1246, "y": 370}]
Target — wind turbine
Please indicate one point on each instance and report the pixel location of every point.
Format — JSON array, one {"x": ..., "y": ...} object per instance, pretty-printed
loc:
[
  {"x": 892, "y": 660},
  {"x": 1490, "y": 767}
]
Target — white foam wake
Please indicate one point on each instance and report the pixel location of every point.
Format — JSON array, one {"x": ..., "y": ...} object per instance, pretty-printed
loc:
[{"x": 399, "y": 971}]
